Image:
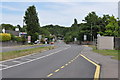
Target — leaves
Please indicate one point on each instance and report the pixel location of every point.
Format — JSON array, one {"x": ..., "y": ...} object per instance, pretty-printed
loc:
[{"x": 32, "y": 22}]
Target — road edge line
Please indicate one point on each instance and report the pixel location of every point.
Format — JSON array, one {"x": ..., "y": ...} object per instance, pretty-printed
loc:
[{"x": 97, "y": 71}]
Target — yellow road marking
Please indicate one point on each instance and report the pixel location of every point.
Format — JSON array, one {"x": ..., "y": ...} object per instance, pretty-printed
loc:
[
  {"x": 57, "y": 70},
  {"x": 72, "y": 60},
  {"x": 62, "y": 67},
  {"x": 69, "y": 62},
  {"x": 97, "y": 72},
  {"x": 66, "y": 64},
  {"x": 50, "y": 75}
]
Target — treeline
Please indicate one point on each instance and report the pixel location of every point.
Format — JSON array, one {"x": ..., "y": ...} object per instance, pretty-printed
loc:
[{"x": 92, "y": 25}]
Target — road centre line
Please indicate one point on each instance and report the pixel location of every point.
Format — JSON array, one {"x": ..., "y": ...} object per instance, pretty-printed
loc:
[
  {"x": 97, "y": 72},
  {"x": 66, "y": 64},
  {"x": 57, "y": 70},
  {"x": 63, "y": 66},
  {"x": 35, "y": 59},
  {"x": 50, "y": 75}
]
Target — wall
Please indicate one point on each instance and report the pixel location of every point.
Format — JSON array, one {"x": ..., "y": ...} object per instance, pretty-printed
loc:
[
  {"x": 105, "y": 42},
  {"x": 11, "y": 43}
]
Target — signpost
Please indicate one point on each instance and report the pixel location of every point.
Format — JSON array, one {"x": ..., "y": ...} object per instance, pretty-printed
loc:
[
  {"x": 29, "y": 39},
  {"x": 40, "y": 37},
  {"x": 3, "y": 30},
  {"x": 85, "y": 37},
  {"x": 75, "y": 39}
]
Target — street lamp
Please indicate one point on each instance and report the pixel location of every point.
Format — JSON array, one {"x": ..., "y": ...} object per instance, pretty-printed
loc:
[{"x": 90, "y": 30}]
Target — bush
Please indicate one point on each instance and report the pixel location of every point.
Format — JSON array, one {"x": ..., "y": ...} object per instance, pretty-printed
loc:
[
  {"x": 13, "y": 38},
  {"x": 5, "y": 37},
  {"x": 18, "y": 39}
]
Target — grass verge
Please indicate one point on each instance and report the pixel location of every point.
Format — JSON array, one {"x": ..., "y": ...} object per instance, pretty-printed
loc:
[
  {"x": 113, "y": 53},
  {"x": 19, "y": 53}
]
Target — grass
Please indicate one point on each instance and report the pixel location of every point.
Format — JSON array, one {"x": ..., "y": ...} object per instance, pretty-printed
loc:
[
  {"x": 19, "y": 53},
  {"x": 113, "y": 53},
  {"x": 27, "y": 45}
]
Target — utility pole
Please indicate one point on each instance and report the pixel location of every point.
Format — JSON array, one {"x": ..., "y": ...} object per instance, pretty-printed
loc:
[{"x": 91, "y": 32}]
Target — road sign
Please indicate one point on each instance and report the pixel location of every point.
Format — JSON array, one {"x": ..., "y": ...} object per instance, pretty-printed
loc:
[
  {"x": 3, "y": 30},
  {"x": 75, "y": 39},
  {"x": 85, "y": 37},
  {"x": 40, "y": 37},
  {"x": 29, "y": 39}
]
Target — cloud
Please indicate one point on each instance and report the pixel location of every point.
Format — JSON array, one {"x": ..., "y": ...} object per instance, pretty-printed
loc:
[
  {"x": 11, "y": 19},
  {"x": 9, "y": 8},
  {"x": 62, "y": 13},
  {"x": 65, "y": 14}
]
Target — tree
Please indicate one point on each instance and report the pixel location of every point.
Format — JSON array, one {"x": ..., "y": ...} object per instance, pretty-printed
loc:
[
  {"x": 112, "y": 28},
  {"x": 75, "y": 24},
  {"x": 32, "y": 23},
  {"x": 92, "y": 20},
  {"x": 8, "y": 26}
]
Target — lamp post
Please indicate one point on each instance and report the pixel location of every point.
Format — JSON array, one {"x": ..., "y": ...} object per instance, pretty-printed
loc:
[{"x": 91, "y": 32}]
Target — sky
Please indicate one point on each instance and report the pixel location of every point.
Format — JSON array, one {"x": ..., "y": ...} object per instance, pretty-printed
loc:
[{"x": 56, "y": 13}]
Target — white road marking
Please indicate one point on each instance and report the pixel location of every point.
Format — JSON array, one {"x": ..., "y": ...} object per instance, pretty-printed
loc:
[
  {"x": 16, "y": 61},
  {"x": 3, "y": 65},
  {"x": 27, "y": 59},
  {"x": 18, "y": 57},
  {"x": 34, "y": 59}
]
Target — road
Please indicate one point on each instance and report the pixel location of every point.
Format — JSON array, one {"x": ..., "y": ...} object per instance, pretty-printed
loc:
[
  {"x": 6, "y": 49},
  {"x": 62, "y": 62}
]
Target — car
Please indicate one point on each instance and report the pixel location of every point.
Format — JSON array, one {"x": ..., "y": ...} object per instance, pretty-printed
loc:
[{"x": 51, "y": 42}]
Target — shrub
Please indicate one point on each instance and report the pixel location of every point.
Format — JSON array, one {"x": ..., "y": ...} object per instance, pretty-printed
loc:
[
  {"x": 18, "y": 39},
  {"x": 5, "y": 37}
]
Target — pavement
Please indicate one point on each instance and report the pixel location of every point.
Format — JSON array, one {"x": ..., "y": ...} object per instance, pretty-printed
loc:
[
  {"x": 62, "y": 62},
  {"x": 109, "y": 67}
]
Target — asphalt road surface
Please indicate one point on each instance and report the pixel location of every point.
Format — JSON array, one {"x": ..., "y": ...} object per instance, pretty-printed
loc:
[
  {"x": 6, "y": 49},
  {"x": 62, "y": 62}
]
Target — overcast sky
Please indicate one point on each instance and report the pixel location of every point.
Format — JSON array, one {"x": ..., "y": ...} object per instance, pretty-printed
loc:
[{"x": 57, "y": 13}]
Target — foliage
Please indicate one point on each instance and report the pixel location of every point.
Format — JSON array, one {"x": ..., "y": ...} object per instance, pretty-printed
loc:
[
  {"x": 112, "y": 28},
  {"x": 32, "y": 23},
  {"x": 75, "y": 24},
  {"x": 18, "y": 39},
  {"x": 5, "y": 37},
  {"x": 106, "y": 26},
  {"x": 8, "y": 26}
]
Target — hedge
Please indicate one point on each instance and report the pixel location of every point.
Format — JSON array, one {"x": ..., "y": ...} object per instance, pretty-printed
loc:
[{"x": 5, "y": 37}]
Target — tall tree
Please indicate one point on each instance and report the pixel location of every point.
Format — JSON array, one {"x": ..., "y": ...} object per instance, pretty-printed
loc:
[
  {"x": 92, "y": 20},
  {"x": 32, "y": 23},
  {"x": 75, "y": 24}
]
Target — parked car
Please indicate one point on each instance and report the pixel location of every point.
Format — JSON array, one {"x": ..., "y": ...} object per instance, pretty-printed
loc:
[{"x": 51, "y": 42}]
